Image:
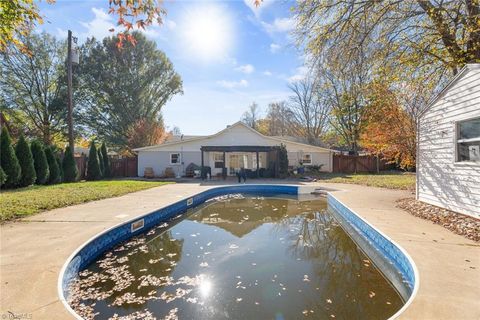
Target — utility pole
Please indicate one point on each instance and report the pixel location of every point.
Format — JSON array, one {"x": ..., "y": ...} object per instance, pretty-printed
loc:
[{"x": 69, "y": 93}]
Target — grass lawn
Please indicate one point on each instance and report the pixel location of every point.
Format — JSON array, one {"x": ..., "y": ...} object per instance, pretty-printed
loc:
[
  {"x": 27, "y": 201},
  {"x": 390, "y": 179}
]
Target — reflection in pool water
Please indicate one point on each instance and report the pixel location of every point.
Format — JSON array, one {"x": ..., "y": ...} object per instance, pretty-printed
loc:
[{"x": 238, "y": 258}]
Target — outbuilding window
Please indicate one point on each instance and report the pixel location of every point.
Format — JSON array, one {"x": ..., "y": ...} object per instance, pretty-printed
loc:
[
  {"x": 307, "y": 159},
  {"x": 468, "y": 140},
  {"x": 174, "y": 158}
]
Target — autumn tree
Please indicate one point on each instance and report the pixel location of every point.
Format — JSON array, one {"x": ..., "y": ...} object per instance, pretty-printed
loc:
[
  {"x": 251, "y": 116},
  {"x": 19, "y": 17},
  {"x": 414, "y": 32},
  {"x": 32, "y": 86},
  {"x": 389, "y": 130},
  {"x": 122, "y": 90},
  {"x": 146, "y": 132},
  {"x": 309, "y": 110},
  {"x": 343, "y": 86},
  {"x": 280, "y": 120}
]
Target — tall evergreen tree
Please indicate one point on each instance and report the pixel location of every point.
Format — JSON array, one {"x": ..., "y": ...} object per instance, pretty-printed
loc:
[
  {"x": 100, "y": 163},
  {"x": 60, "y": 168},
  {"x": 8, "y": 160},
  {"x": 106, "y": 162},
  {"x": 25, "y": 159},
  {"x": 3, "y": 177},
  {"x": 70, "y": 171},
  {"x": 54, "y": 176},
  {"x": 40, "y": 162},
  {"x": 93, "y": 168}
]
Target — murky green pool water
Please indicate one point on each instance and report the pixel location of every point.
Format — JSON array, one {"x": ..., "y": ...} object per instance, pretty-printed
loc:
[{"x": 239, "y": 258}]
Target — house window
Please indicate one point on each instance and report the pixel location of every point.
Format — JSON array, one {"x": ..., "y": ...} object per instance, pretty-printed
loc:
[
  {"x": 218, "y": 160},
  {"x": 174, "y": 158},
  {"x": 468, "y": 140},
  {"x": 307, "y": 159}
]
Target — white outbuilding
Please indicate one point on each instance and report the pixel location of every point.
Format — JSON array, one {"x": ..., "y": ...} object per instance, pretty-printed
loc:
[
  {"x": 226, "y": 152},
  {"x": 448, "y": 169}
]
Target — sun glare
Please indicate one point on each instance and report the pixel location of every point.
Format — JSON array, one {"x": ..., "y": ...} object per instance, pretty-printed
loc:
[
  {"x": 207, "y": 33},
  {"x": 205, "y": 287}
]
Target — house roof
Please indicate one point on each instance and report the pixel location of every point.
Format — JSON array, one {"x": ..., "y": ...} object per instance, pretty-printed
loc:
[
  {"x": 452, "y": 82},
  {"x": 239, "y": 123}
]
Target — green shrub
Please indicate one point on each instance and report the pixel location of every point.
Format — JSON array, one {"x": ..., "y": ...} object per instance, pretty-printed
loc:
[
  {"x": 93, "y": 168},
  {"x": 25, "y": 159},
  {"x": 106, "y": 163},
  {"x": 40, "y": 162},
  {"x": 54, "y": 176},
  {"x": 8, "y": 160},
  {"x": 70, "y": 171},
  {"x": 282, "y": 161},
  {"x": 3, "y": 177},
  {"x": 100, "y": 163}
]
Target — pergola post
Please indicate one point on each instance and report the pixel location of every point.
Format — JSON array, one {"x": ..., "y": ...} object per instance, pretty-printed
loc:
[
  {"x": 201, "y": 167},
  {"x": 224, "y": 171},
  {"x": 258, "y": 164}
]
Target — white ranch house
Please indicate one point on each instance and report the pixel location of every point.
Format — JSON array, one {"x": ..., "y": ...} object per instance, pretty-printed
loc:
[
  {"x": 448, "y": 170},
  {"x": 237, "y": 146}
]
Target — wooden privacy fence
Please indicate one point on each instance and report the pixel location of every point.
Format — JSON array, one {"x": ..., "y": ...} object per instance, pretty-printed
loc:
[
  {"x": 125, "y": 167},
  {"x": 351, "y": 164},
  {"x": 81, "y": 162}
]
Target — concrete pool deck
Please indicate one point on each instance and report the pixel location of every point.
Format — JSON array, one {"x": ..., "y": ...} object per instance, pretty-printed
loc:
[{"x": 33, "y": 250}]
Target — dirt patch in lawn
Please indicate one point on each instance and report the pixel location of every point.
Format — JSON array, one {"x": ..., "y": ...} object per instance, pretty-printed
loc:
[{"x": 463, "y": 225}]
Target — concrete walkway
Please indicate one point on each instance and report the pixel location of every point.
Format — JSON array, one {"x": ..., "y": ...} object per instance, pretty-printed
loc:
[{"x": 33, "y": 250}]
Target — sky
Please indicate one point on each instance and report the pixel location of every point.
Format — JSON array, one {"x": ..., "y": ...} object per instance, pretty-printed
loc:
[{"x": 228, "y": 53}]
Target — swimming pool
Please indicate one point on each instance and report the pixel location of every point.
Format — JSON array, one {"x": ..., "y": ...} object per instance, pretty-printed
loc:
[{"x": 262, "y": 252}]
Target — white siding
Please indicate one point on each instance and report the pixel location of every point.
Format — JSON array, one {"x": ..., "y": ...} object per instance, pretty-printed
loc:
[
  {"x": 160, "y": 160},
  {"x": 442, "y": 181}
]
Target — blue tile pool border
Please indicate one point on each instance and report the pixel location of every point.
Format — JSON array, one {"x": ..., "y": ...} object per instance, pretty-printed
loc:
[{"x": 106, "y": 240}]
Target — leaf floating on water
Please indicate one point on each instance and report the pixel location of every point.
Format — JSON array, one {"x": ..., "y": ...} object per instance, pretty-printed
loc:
[
  {"x": 192, "y": 300},
  {"x": 388, "y": 302},
  {"x": 332, "y": 316},
  {"x": 172, "y": 315},
  {"x": 152, "y": 261},
  {"x": 122, "y": 260},
  {"x": 171, "y": 255}
]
